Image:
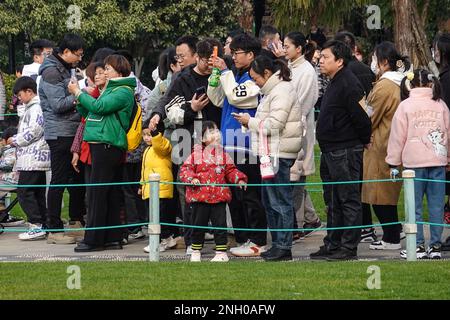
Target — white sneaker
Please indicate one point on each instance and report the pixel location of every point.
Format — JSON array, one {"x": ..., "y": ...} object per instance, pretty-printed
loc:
[
  {"x": 239, "y": 246},
  {"x": 196, "y": 256},
  {"x": 34, "y": 233},
  {"x": 434, "y": 252},
  {"x": 137, "y": 235},
  {"x": 189, "y": 250},
  {"x": 248, "y": 249},
  {"x": 381, "y": 245},
  {"x": 420, "y": 253},
  {"x": 167, "y": 243},
  {"x": 209, "y": 236},
  {"x": 147, "y": 249},
  {"x": 220, "y": 257}
]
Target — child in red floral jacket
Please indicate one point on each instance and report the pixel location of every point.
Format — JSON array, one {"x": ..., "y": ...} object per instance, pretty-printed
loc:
[{"x": 210, "y": 164}]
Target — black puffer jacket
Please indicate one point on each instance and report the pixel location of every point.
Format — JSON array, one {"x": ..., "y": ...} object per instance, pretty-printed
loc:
[{"x": 342, "y": 122}]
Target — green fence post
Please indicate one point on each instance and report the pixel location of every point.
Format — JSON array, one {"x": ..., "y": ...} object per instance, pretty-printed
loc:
[
  {"x": 410, "y": 214},
  {"x": 154, "y": 228}
]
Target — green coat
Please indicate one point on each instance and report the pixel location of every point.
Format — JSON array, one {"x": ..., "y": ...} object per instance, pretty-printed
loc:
[{"x": 102, "y": 124}]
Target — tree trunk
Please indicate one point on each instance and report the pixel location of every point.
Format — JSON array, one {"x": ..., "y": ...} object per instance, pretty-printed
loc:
[
  {"x": 410, "y": 36},
  {"x": 138, "y": 64}
]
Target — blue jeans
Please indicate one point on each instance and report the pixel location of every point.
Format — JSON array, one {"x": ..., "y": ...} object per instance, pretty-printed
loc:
[
  {"x": 278, "y": 202},
  {"x": 435, "y": 192}
]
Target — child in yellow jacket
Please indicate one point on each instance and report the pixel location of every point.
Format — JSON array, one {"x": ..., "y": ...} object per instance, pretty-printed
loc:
[{"x": 157, "y": 159}]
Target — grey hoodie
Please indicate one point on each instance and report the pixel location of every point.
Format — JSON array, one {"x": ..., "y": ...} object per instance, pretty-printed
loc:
[{"x": 58, "y": 106}]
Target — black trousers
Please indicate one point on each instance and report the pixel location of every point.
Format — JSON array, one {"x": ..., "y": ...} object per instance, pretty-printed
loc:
[
  {"x": 202, "y": 213},
  {"x": 63, "y": 173},
  {"x": 32, "y": 200},
  {"x": 105, "y": 201},
  {"x": 387, "y": 214},
  {"x": 343, "y": 200},
  {"x": 246, "y": 208},
  {"x": 134, "y": 205},
  {"x": 165, "y": 216}
]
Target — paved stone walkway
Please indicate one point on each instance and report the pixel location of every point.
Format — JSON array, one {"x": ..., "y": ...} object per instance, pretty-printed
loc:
[{"x": 12, "y": 249}]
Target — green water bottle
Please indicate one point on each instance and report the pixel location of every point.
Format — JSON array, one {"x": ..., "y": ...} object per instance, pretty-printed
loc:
[
  {"x": 215, "y": 75},
  {"x": 215, "y": 78}
]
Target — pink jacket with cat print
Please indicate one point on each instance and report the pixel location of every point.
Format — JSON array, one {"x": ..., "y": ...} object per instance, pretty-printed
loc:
[{"x": 420, "y": 132}]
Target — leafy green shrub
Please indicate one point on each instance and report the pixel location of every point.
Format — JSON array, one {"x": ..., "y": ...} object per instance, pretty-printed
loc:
[{"x": 8, "y": 81}]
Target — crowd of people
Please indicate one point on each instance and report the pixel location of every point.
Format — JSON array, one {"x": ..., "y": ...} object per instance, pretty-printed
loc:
[{"x": 245, "y": 113}]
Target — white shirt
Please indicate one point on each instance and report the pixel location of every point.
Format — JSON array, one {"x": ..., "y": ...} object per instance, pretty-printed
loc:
[{"x": 31, "y": 69}]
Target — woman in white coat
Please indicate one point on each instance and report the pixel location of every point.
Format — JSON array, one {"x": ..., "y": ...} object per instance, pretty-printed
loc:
[
  {"x": 305, "y": 83},
  {"x": 276, "y": 132}
]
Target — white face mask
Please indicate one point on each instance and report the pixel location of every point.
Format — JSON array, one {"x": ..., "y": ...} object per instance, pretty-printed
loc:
[
  {"x": 436, "y": 56},
  {"x": 374, "y": 65}
]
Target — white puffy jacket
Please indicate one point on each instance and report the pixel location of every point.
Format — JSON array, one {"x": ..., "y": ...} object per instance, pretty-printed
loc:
[{"x": 33, "y": 153}]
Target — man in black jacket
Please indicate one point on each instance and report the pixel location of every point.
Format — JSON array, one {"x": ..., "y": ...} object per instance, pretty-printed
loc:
[
  {"x": 343, "y": 128},
  {"x": 366, "y": 77}
]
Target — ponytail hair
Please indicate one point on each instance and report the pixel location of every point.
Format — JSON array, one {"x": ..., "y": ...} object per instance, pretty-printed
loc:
[
  {"x": 387, "y": 51},
  {"x": 418, "y": 79},
  {"x": 262, "y": 63},
  {"x": 310, "y": 50},
  {"x": 298, "y": 39}
]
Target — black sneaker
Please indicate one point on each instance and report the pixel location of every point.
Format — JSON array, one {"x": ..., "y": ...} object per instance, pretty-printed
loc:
[
  {"x": 342, "y": 254},
  {"x": 11, "y": 221},
  {"x": 322, "y": 254},
  {"x": 368, "y": 235}
]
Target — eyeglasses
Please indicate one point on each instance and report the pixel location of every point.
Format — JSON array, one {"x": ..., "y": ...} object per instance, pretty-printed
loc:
[
  {"x": 234, "y": 53},
  {"x": 179, "y": 57},
  {"x": 79, "y": 55}
]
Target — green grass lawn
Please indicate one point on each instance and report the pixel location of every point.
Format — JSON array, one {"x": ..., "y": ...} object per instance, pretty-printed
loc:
[{"x": 235, "y": 280}]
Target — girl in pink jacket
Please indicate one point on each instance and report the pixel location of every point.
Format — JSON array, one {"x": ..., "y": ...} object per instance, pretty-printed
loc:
[{"x": 419, "y": 140}]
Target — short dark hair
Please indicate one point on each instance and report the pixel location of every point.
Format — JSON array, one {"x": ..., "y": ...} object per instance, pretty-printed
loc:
[
  {"x": 190, "y": 41},
  {"x": 340, "y": 50},
  {"x": 208, "y": 124},
  {"x": 19, "y": 68},
  {"x": 267, "y": 30},
  {"x": 234, "y": 33},
  {"x": 346, "y": 37},
  {"x": 9, "y": 132},
  {"x": 25, "y": 83},
  {"x": 37, "y": 51},
  {"x": 126, "y": 54},
  {"x": 101, "y": 54},
  {"x": 119, "y": 63},
  {"x": 71, "y": 41},
  {"x": 247, "y": 43},
  {"x": 41, "y": 44},
  {"x": 205, "y": 47}
]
